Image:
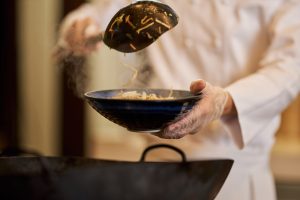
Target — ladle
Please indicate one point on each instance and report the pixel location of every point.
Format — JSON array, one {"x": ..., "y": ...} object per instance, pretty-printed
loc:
[{"x": 138, "y": 25}]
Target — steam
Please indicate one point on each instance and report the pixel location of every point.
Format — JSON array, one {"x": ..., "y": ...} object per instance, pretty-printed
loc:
[
  {"x": 75, "y": 69},
  {"x": 137, "y": 65},
  {"x": 136, "y": 71}
]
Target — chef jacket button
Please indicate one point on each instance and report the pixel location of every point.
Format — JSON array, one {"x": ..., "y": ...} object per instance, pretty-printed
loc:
[
  {"x": 189, "y": 43},
  {"x": 225, "y": 2},
  {"x": 195, "y": 2},
  {"x": 217, "y": 43}
]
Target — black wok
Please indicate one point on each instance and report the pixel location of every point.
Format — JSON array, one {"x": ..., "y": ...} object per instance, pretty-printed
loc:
[{"x": 81, "y": 178}]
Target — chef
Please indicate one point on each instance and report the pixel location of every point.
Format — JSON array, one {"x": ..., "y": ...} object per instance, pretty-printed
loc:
[{"x": 244, "y": 55}]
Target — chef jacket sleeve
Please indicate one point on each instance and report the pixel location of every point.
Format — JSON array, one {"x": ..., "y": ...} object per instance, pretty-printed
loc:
[{"x": 263, "y": 95}]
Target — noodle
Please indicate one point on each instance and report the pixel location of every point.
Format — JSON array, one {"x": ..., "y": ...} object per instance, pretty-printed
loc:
[
  {"x": 134, "y": 75},
  {"x": 134, "y": 95}
]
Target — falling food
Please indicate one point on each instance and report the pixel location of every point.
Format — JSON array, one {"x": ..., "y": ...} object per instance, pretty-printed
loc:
[
  {"x": 134, "y": 75},
  {"x": 138, "y": 25}
]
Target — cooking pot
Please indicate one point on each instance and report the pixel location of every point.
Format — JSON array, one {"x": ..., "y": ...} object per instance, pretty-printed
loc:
[{"x": 57, "y": 178}]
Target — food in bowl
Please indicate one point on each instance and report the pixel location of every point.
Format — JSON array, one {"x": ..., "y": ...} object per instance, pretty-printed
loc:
[{"x": 141, "y": 96}]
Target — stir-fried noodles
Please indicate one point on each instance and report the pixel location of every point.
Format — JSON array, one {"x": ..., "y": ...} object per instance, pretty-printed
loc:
[{"x": 134, "y": 95}]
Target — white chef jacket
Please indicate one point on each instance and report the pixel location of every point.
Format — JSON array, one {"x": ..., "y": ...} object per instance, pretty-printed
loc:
[{"x": 251, "y": 48}]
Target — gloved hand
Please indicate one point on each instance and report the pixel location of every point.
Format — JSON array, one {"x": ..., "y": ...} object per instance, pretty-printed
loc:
[
  {"x": 79, "y": 34},
  {"x": 213, "y": 104}
]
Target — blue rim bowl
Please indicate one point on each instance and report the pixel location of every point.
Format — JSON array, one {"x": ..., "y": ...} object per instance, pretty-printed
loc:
[{"x": 142, "y": 115}]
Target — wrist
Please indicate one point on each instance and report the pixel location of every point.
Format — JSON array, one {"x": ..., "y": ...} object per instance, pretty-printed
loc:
[{"x": 229, "y": 108}]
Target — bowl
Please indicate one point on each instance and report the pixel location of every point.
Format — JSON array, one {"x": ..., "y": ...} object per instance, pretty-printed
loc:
[{"x": 139, "y": 115}]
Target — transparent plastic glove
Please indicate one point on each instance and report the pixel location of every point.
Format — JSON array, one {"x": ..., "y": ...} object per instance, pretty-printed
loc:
[
  {"x": 79, "y": 34},
  {"x": 209, "y": 108}
]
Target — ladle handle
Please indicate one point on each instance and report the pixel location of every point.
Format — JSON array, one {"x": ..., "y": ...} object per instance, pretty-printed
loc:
[
  {"x": 60, "y": 53},
  {"x": 182, "y": 154},
  {"x": 95, "y": 39}
]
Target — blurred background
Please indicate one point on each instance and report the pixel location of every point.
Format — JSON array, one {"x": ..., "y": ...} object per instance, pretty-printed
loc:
[{"x": 40, "y": 111}]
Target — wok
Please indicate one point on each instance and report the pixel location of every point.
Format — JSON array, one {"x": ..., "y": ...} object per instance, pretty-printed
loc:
[{"x": 39, "y": 177}]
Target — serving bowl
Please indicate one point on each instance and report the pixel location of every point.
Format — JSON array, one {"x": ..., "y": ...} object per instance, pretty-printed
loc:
[{"x": 139, "y": 115}]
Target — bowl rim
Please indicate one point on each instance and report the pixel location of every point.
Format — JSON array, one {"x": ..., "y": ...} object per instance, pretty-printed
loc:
[{"x": 192, "y": 97}]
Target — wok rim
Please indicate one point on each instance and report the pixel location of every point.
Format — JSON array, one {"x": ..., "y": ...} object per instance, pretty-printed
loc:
[{"x": 227, "y": 160}]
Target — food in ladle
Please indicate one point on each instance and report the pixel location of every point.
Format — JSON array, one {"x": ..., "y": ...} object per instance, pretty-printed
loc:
[{"x": 138, "y": 25}]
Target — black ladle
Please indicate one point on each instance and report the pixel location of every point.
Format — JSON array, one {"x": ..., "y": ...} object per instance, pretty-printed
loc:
[{"x": 138, "y": 25}]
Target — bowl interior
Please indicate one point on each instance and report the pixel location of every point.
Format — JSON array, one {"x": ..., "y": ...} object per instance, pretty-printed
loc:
[
  {"x": 176, "y": 94},
  {"x": 142, "y": 115}
]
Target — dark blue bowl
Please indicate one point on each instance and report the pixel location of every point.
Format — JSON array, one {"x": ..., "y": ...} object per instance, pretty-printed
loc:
[{"x": 142, "y": 115}]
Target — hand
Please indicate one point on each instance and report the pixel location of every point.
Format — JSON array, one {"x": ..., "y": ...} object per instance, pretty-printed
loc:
[
  {"x": 215, "y": 102},
  {"x": 83, "y": 36},
  {"x": 80, "y": 34}
]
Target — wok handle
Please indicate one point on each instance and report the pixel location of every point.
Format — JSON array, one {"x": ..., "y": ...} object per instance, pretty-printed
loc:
[{"x": 182, "y": 154}]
